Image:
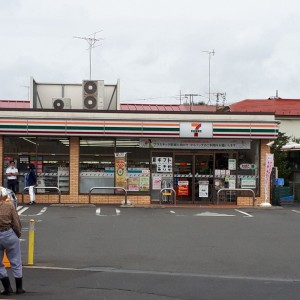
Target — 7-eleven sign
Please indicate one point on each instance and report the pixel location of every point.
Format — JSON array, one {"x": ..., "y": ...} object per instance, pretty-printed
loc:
[{"x": 196, "y": 130}]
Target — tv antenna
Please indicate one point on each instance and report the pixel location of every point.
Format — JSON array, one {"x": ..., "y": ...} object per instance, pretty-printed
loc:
[
  {"x": 210, "y": 53},
  {"x": 92, "y": 40},
  {"x": 28, "y": 90}
]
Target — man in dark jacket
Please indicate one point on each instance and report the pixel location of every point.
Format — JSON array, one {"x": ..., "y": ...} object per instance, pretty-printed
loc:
[{"x": 31, "y": 182}]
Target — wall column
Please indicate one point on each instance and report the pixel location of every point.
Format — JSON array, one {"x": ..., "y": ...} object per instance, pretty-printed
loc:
[{"x": 74, "y": 170}]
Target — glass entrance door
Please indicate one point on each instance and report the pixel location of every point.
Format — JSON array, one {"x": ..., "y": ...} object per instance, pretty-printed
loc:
[
  {"x": 204, "y": 166},
  {"x": 184, "y": 178},
  {"x": 193, "y": 177}
]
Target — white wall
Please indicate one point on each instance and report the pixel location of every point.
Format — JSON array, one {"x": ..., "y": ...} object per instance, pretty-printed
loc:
[
  {"x": 290, "y": 127},
  {"x": 42, "y": 95}
]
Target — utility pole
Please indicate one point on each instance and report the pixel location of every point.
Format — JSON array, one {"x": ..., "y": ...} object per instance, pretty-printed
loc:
[
  {"x": 210, "y": 53},
  {"x": 92, "y": 42}
]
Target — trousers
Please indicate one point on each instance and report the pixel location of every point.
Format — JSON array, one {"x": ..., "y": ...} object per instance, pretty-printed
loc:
[
  {"x": 11, "y": 184},
  {"x": 10, "y": 242},
  {"x": 31, "y": 193}
]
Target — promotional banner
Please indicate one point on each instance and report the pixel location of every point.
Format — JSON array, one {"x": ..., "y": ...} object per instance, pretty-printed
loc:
[
  {"x": 201, "y": 144},
  {"x": 120, "y": 170},
  {"x": 183, "y": 188},
  {"x": 268, "y": 170}
]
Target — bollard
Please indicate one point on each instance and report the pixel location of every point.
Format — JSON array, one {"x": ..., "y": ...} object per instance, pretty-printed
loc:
[
  {"x": 5, "y": 260},
  {"x": 31, "y": 242}
]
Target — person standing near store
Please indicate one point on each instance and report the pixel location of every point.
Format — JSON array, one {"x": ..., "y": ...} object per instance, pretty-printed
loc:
[
  {"x": 12, "y": 173},
  {"x": 10, "y": 232},
  {"x": 31, "y": 182}
]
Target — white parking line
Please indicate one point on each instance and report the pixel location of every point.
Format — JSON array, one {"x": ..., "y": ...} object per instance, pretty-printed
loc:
[
  {"x": 40, "y": 213},
  {"x": 296, "y": 211},
  {"x": 246, "y": 214},
  {"x": 212, "y": 214},
  {"x": 98, "y": 213},
  {"x": 21, "y": 209}
]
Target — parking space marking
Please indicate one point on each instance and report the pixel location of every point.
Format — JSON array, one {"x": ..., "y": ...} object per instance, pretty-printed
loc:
[
  {"x": 246, "y": 214},
  {"x": 98, "y": 213},
  {"x": 21, "y": 209},
  {"x": 212, "y": 214},
  {"x": 40, "y": 213},
  {"x": 296, "y": 211}
]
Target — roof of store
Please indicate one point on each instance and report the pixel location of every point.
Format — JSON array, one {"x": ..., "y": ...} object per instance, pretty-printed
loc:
[
  {"x": 14, "y": 104},
  {"x": 279, "y": 106},
  {"x": 167, "y": 107}
]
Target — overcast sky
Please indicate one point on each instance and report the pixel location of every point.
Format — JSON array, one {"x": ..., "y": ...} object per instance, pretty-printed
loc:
[{"x": 155, "y": 47}]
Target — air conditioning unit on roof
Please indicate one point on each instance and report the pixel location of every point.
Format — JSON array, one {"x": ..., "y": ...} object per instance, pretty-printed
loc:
[
  {"x": 61, "y": 103},
  {"x": 93, "y": 94}
]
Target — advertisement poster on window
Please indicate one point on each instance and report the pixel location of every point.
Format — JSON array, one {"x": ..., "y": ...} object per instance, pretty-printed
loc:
[
  {"x": 144, "y": 183},
  {"x": 120, "y": 170},
  {"x": 183, "y": 188},
  {"x": 156, "y": 183},
  {"x": 133, "y": 183},
  {"x": 231, "y": 164},
  {"x": 203, "y": 189}
]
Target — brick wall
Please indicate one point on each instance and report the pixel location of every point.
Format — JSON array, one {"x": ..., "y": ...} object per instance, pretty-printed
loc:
[{"x": 263, "y": 150}]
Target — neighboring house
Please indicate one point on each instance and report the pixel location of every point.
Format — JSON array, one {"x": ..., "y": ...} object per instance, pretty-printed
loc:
[{"x": 287, "y": 111}]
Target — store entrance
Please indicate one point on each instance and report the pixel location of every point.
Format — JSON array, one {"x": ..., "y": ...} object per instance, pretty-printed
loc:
[{"x": 193, "y": 177}]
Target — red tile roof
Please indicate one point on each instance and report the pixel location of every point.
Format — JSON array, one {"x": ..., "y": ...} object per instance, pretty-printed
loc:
[
  {"x": 167, "y": 107},
  {"x": 14, "y": 104},
  {"x": 279, "y": 106}
]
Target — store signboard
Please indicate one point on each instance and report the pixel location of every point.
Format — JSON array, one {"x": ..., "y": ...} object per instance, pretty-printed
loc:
[
  {"x": 247, "y": 166},
  {"x": 196, "y": 130},
  {"x": 201, "y": 144},
  {"x": 163, "y": 164}
]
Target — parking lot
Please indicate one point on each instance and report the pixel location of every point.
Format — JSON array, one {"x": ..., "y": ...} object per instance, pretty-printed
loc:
[{"x": 113, "y": 252}]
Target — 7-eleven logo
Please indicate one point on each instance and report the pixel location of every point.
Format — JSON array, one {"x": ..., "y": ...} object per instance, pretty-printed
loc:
[{"x": 196, "y": 129}]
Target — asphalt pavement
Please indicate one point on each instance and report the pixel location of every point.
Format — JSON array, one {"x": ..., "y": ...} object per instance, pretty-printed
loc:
[{"x": 112, "y": 252}]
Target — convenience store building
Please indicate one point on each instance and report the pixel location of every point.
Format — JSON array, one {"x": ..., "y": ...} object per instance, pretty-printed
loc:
[{"x": 77, "y": 147}]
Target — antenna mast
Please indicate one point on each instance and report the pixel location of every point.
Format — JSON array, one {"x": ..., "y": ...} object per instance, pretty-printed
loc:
[
  {"x": 91, "y": 39},
  {"x": 210, "y": 53}
]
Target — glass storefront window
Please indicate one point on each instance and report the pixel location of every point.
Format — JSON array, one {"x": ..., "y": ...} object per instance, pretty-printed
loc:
[
  {"x": 248, "y": 167},
  {"x": 97, "y": 165},
  {"x": 50, "y": 155}
]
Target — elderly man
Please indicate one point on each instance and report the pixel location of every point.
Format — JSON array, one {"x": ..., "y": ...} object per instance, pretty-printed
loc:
[{"x": 10, "y": 232}]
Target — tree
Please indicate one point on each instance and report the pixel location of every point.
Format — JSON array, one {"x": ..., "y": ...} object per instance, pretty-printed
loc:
[{"x": 281, "y": 157}]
